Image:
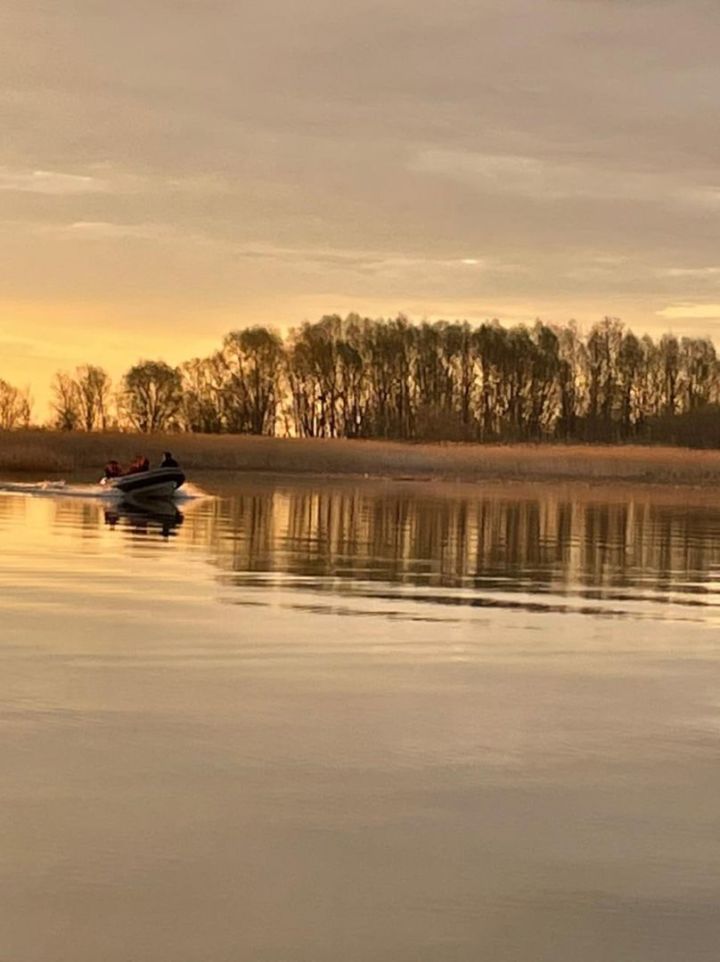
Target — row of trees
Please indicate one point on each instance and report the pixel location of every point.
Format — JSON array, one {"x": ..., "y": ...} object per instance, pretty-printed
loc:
[{"x": 356, "y": 377}]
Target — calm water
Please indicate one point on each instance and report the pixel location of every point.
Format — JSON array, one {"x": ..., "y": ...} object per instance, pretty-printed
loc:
[{"x": 352, "y": 723}]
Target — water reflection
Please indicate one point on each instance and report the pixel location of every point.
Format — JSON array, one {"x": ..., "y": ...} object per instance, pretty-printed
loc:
[
  {"x": 553, "y": 551},
  {"x": 352, "y": 721},
  {"x": 162, "y": 517},
  {"x": 475, "y": 551}
]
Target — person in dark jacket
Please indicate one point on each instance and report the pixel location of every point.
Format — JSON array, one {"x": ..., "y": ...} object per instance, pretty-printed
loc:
[
  {"x": 113, "y": 469},
  {"x": 168, "y": 461}
]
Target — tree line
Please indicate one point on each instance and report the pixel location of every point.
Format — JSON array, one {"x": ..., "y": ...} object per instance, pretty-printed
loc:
[{"x": 357, "y": 377}]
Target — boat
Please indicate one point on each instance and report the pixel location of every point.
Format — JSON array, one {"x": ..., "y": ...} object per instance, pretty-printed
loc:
[{"x": 155, "y": 483}]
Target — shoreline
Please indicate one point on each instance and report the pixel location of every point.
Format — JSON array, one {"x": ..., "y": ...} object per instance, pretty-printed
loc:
[{"x": 34, "y": 452}]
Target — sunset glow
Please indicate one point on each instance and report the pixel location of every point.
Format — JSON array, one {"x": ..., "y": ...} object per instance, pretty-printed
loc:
[{"x": 173, "y": 170}]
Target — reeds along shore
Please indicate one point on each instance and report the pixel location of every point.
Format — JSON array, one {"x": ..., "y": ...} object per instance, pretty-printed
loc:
[{"x": 84, "y": 454}]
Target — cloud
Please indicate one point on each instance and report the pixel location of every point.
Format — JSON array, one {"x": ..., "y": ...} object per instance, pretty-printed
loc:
[
  {"x": 691, "y": 311},
  {"x": 697, "y": 272},
  {"x": 545, "y": 180},
  {"x": 107, "y": 230},
  {"x": 16, "y": 347},
  {"x": 49, "y": 182},
  {"x": 310, "y": 153},
  {"x": 371, "y": 261}
]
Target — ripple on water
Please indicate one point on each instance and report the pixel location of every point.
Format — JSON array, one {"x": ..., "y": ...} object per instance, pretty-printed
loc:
[{"x": 349, "y": 721}]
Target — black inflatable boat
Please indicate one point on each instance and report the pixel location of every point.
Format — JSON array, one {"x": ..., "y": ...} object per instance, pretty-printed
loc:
[{"x": 156, "y": 483}]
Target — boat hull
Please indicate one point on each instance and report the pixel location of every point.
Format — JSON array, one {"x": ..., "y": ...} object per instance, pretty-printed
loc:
[{"x": 157, "y": 483}]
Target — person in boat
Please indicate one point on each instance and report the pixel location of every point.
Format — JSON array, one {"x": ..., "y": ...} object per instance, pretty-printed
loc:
[
  {"x": 139, "y": 464},
  {"x": 168, "y": 461},
  {"x": 113, "y": 469}
]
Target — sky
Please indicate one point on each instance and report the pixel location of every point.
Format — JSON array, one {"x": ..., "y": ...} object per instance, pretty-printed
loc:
[{"x": 174, "y": 169}]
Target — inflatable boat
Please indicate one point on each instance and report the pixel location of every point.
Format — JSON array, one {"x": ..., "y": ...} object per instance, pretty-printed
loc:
[{"x": 156, "y": 483}]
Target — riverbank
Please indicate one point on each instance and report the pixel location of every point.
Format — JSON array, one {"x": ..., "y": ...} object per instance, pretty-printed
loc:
[{"x": 54, "y": 453}]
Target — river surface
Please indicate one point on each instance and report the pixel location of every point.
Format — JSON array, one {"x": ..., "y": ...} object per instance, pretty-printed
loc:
[{"x": 354, "y": 722}]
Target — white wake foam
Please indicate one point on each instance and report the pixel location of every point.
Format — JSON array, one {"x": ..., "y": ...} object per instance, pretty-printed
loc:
[{"x": 61, "y": 489}]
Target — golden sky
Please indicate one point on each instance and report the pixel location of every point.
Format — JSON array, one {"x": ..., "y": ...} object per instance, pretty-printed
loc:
[{"x": 171, "y": 169}]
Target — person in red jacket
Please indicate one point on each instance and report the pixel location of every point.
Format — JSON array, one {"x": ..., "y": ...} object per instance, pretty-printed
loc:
[{"x": 140, "y": 463}]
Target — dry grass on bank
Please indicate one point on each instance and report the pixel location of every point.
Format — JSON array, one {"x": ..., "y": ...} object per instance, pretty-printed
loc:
[{"x": 45, "y": 452}]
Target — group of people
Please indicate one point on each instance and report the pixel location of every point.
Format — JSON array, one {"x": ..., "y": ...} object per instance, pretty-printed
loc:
[{"x": 113, "y": 469}]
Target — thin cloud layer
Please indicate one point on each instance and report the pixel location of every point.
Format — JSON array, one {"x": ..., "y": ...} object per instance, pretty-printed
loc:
[
  {"x": 511, "y": 158},
  {"x": 48, "y": 182}
]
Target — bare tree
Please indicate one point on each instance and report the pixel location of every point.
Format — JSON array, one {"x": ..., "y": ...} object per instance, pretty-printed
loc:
[
  {"x": 202, "y": 407},
  {"x": 15, "y": 407},
  {"x": 66, "y": 403},
  {"x": 151, "y": 396},
  {"x": 252, "y": 360},
  {"x": 93, "y": 396}
]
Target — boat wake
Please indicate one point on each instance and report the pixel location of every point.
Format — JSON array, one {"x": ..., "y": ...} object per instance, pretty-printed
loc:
[{"x": 61, "y": 489}]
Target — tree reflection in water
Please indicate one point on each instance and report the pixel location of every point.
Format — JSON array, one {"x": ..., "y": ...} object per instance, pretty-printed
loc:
[{"x": 335, "y": 535}]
